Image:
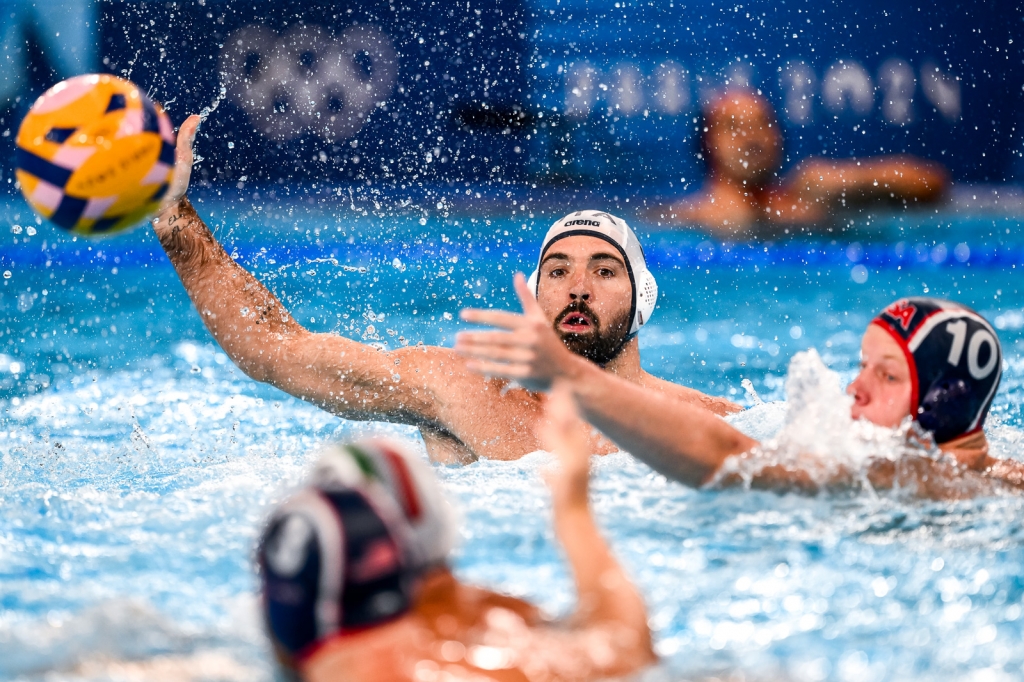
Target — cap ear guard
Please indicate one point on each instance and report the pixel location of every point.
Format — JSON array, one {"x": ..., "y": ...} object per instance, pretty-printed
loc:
[
  {"x": 532, "y": 282},
  {"x": 646, "y": 298},
  {"x": 942, "y": 406}
]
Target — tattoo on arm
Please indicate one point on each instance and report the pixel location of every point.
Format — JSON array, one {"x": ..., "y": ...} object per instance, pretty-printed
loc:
[
  {"x": 189, "y": 239},
  {"x": 177, "y": 224},
  {"x": 213, "y": 278}
]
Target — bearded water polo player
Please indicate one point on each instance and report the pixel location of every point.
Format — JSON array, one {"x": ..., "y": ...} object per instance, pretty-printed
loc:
[
  {"x": 933, "y": 360},
  {"x": 356, "y": 583},
  {"x": 596, "y": 291}
]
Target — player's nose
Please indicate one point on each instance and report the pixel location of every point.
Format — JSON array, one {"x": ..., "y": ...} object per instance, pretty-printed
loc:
[
  {"x": 580, "y": 287},
  {"x": 856, "y": 389}
]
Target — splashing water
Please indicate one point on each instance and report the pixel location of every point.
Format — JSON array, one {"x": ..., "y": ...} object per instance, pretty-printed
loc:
[
  {"x": 824, "y": 446},
  {"x": 205, "y": 112},
  {"x": 126, "y": 542}
]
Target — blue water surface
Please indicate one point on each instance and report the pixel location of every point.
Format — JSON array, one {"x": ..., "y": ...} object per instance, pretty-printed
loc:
[{"x": 136, "y": 462}]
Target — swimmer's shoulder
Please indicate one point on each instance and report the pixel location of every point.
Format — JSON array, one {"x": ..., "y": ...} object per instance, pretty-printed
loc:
[
  {"x": 1007, "y": 471},
  {"x": 486, "y": 605},
  {"x": 372, "y": 655},
  {"x": 718, "y": 405}
]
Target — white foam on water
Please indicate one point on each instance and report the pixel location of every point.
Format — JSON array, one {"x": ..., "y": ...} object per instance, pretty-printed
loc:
[
  {"x": 129, "y": 640},
  {"x": 824, "y": 447}
]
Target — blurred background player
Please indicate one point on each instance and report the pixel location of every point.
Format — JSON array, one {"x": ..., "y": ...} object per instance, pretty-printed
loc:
[
  {"x": 741, "y": 143},
  {"x": 356, "y": 583}
]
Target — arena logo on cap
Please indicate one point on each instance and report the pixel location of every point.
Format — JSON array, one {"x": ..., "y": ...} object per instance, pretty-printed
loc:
[
  {"x": 588, "y": 223},
  {"x": 307, "y": 79}
]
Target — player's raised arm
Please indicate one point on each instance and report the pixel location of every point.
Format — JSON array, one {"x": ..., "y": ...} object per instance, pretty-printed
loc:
[
  {"x": 263, "y": 339},
  {"x": 682, "y": 441},
  {"x": 897, "y": 177},
  {"x": 674, "y": 433},
  {"x": 525, "y": 348},
  {"x": 607, "y": 599}
]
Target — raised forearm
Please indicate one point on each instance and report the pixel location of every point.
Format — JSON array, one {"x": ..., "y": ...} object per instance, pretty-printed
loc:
[
  {"x": 606, "y": 596},
  {"x": 897, "y": 177},
  {"x": 684, "y": 442},
  {"x": 247, "y": 320},
  {"x": 605, "y": 591}
]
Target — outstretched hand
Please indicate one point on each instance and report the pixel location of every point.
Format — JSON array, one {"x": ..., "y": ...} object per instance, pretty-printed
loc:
[
  {"x": 528, "y": 350},
  {"x": 183, "y": 158}
]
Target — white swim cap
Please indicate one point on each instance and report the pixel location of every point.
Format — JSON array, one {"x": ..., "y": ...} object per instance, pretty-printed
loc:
[
  {"x": 406, "y": 479},
  {"x": 616, "y": 232}
]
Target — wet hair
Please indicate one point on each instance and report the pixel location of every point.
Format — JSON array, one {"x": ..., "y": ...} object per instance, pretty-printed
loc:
[{"x": 955, "y": 363}]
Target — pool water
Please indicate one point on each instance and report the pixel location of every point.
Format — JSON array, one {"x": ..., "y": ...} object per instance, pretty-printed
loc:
[{"x": 136, "y": 462}]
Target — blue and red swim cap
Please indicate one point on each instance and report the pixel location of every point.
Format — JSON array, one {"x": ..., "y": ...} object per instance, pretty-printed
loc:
[
  {"x": 345, "y": 553},
  {"x": 955, "y": 363}
]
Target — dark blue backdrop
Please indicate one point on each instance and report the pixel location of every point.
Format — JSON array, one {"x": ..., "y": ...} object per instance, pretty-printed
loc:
[
  {"x": 938, "y": 79},
  {"x": 601, "y": 93}
]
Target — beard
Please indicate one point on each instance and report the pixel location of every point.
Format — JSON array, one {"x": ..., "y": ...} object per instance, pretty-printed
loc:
[{"x": 600, "y": 345}]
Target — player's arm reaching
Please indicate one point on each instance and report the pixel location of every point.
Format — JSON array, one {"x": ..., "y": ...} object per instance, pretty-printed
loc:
[
  {"x": 264, "y": 340},
  {"x": 607, "y": 599},
  {"x": 678, "y": 438},
  {"x": 898, "y": 177}
]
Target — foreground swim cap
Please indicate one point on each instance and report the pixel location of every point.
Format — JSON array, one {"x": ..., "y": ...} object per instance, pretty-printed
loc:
[
  {"x": 616, "y": 232},
  {"x": 955, "y": 362},
  {"x": 331, "y": 563},
  {"x": 406, "y": 479}
]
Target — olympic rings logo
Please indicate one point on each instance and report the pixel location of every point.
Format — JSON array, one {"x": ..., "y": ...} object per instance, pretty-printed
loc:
[{"x": 308, "y": 80}]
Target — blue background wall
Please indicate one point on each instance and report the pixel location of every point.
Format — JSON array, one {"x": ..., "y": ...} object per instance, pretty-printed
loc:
[
  {"x": 601, "y": 93},
  {"x": 846, "y": 78}
]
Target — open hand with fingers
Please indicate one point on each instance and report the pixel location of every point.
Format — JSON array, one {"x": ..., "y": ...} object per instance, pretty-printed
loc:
[{"x": 527, "y": 350}]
